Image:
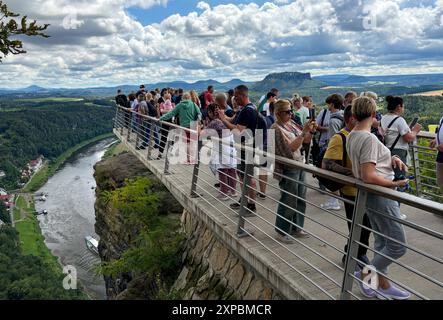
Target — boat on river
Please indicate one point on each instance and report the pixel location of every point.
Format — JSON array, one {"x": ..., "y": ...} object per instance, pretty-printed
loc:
[{"x": 92, "y": 244}]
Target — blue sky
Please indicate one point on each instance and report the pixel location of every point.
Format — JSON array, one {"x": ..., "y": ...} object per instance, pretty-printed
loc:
[
  {"x": 158, "y": 13},
  {"x": 113, "y": 42}
]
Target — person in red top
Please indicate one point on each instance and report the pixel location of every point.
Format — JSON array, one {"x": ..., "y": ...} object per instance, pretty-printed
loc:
[{"x": 209, "y": 99}]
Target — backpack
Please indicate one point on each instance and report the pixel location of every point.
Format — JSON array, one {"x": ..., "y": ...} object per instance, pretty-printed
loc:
[
  {"x": 332, "y": 185},
  {"x": 315, "y": 149},
  {"x": 202, "y": 99},
  {"x": 260, "y": 124}
]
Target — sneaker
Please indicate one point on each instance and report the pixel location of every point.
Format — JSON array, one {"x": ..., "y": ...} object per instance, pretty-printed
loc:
[
  {"x": 403, "y": 216},
  {"x": 393, "y": 293},
  {"x": 284, "y": 238},
  {"x": 222, "y": 197},
  {"x": 330, "y": 206},
  {"x": 235, "y": 205},
  {"x": 261, "y": 196},
  {"x": 364, "y": 289},
  {"x": 217, "y": 185},
  {"x": 233, "y": 194},
  {"x": 301, "y": 234},
  {"x": 251, "y": 207}
]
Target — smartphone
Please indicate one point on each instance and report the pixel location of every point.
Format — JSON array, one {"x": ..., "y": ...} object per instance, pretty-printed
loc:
[
  {"x": 312, "y": 114},
  {"x": 413, "y": 123}
]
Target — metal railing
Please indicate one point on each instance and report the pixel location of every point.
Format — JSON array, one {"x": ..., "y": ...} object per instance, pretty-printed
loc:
[
  {"x": 423, "y": 168},
  {"x": 314, "y": 261}
]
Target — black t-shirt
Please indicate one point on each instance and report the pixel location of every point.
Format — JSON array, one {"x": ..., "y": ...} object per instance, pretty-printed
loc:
[
  {"x": 152, "y": 112},
  {"x": 247, "y": 117}
]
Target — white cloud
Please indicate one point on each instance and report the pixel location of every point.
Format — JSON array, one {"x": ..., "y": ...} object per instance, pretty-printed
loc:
[{"x": 107, "y": 46}]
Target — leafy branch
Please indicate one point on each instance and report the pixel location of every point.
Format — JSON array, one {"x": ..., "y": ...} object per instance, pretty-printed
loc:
[{"x": 10, "y": 27}]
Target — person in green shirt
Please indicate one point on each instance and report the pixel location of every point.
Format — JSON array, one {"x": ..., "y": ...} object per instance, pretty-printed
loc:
[{"x": 187, "y": 112}]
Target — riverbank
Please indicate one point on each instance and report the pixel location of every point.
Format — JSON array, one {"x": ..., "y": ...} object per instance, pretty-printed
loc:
[
  {"x": 26, "y": 222},
  {"x": 48, "y": 170},
  {"x": 30, "y": 235}
]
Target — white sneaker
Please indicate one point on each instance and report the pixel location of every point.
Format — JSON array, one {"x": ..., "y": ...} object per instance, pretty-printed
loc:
[
  {"x": 222, "y": 197},
  {"x": 330, "y": 206},
  {"x": 284, "y": 238},
  {"x": 403, "y": 216}
]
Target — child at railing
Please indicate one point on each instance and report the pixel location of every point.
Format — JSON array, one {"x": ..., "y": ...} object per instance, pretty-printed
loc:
[{"x": 223, "y": 156}]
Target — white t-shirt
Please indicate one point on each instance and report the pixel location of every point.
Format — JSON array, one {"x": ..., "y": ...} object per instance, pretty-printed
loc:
[
  {"x": 364, "y": 147},
  {"x": 266, "y": 109},
  {"x": 399, "y": 127},
  {"x": 440, "y": 132},
  {"x": 303, "y": 113},
  {"x": 324, "y": 135}
]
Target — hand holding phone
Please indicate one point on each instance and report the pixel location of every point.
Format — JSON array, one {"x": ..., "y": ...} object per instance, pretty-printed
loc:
[{"x": 312, "y": 114}]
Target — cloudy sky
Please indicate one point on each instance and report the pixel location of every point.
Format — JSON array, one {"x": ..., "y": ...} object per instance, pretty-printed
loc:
[{"x": 113, "y": 42}]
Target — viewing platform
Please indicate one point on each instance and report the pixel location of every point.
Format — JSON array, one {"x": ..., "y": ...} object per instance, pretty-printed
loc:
[{"x": 312, "y": 267}]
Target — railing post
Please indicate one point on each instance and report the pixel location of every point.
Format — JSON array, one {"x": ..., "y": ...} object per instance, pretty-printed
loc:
[
  {"x": 130, "y": 125},
  {"x": 416, "y": 164},
  {"x": 138, "y": 128},
  {"x": 196, "y": 170},
  {"x": 116, "y": 117},
  {"x": 249, "y": 171},
  {"x": 151, "y": 137},
  {"x": 168, "y": 144},
  {"x": 350, "y": 264}
]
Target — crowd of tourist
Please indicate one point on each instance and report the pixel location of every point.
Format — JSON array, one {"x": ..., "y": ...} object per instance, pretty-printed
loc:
[{"x": 350, "y": 137}]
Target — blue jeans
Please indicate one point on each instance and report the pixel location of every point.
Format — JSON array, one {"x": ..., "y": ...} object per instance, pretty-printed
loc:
[
  {"x": 386, "y": 227},
  {"x": 294, "y": 208}
]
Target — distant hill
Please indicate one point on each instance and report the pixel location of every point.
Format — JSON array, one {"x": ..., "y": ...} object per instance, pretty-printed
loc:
[
  {"x": 412, "y": 80},
  {"x": 318, "y": 87},
  {"x": 287, "y": 82}
]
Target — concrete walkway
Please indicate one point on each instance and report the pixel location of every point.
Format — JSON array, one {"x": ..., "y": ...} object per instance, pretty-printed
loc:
[{"x": 311, "y": 268}]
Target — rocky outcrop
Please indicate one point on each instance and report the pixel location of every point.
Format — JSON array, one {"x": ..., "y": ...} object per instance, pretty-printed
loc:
[
  {"x": 211, "y": 271},
  {"x": 208, "y": 271},
  {"x": 116, "y": 234}
]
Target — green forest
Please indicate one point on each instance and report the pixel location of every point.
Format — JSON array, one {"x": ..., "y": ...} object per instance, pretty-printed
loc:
[
  {"x": 27, "y": 277},
  {"x": 29, "y": 128}
]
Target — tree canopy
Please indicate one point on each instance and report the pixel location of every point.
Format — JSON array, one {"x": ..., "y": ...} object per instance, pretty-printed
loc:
[{"x": 10, "y": 27}]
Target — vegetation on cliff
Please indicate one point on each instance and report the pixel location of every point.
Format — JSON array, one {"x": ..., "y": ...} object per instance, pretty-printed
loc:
[{"x": 156, "y": 250}]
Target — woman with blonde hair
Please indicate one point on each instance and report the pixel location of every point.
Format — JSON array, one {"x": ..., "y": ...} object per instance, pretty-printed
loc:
[
  {"x": 372, "y": 163},
  {"x": 289, "y": 137},
  {"x": 194, "y": 98}
]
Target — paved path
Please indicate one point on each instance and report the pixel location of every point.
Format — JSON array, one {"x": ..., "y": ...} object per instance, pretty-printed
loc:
[{"x": 294, "y": 268}]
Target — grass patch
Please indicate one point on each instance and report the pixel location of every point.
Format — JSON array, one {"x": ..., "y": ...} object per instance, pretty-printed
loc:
[
  {"x": 31, "y": 238},
  {"x": 40, "y": 178},
  {"x": 114, "y": 150},
  {"x": 16, "y": 214}
]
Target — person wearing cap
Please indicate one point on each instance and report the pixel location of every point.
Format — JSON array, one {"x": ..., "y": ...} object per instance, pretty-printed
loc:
[{"x": 141, "y": 91}]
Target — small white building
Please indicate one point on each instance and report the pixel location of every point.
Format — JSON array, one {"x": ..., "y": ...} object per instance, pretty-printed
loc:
[
  {"x": 2, "y": 174},
  {"x": 3, "y": 192}
]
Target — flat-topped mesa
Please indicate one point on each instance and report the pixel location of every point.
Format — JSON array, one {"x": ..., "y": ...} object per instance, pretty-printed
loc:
[{"x": 288, "y": 76}]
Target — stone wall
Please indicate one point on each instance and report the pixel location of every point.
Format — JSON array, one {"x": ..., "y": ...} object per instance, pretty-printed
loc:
[{"x": 210, "y": 271}]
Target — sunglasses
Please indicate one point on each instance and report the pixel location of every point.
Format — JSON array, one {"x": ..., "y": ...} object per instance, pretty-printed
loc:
[{"x": 286, "y": 111}]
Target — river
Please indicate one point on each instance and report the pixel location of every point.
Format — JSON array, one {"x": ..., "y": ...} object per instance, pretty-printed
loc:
[{"x": 71, "y": 215}]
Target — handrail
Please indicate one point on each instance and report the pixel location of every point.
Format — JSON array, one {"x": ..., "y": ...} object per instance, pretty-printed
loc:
[
  {"x": 141, "y": 128},
  {"x": 423, "y": 204}
]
